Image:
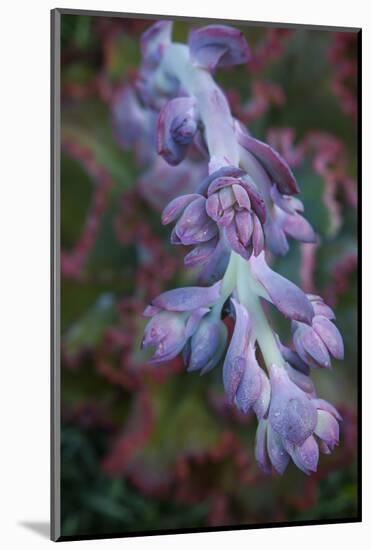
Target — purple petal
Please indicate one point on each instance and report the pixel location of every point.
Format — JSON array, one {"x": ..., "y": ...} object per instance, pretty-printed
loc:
[
  {"x": 257, "y": 201},
  {"x": 320, "y": 308},
  {"x": 207, "y": 344},
  {"x": 310, "y": 347},
  {"x": 226, "y": 198},
  {"x": 241, "y": 196},
  {"x": 236, "y": 244},
  {"x": 194, "y": 225},
  {"x": 276, "y": 167},
  {"x": 290, "y": 205},
  {"x": 217, "y": 263},
  {"x": 301, "y": 380},
  {"x": 201, "y": 253},
  {"x": 276, "y": 451},
  {"x": 174, "y": 239},
  {"x": 327, "y": 429},
  {"x": 218, "y": 45},
  {"x": 299, "y": 228},
  {"x": 187, "y": 299},
  {"x": 220, "y": 183},
  {"x": 155, "y": 39},
  {"x": 276, "y": 239},
  {"x": 323, "y": 405},
  {"x": 291, "y": 412},
  {"x": 150, "y": 311},
  {"x": 286, "y": 296},
  {"x": 235, "y": 362},
  {"x": 213, "y": 206},
  {"x": 262, "y": 403},
  {"x": 194, "y": 319},
  {"x": 176, "y": 128},
  {"x": 166, "y": 331},
  {"x": 306, "y": 455},
  {"x": 176, "y": 207},
  {"x": 257, "y": 237},
  {"x": 330, "y": 336},
  {"x": 225, "y": 171},
  {"x": 245, "y": 226},
  {"x": 250, "y": 386},
  {"x": 261, "y": 453}
]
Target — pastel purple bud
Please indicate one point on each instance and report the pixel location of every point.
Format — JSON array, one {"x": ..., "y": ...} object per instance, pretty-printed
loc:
[
  {"x": 287, "y": 297},
  {"x": 276, "y": 451},
  {"x": 250, "y": 385},
  {"x": 299, "y": 228},
  {"x": 276, "y": 167},
  {"x": 194, "y": 320},
  {"x": 236, "y": 241},
  {"x": 261, "y": 453},
  {"x": 155, "y": 39},
  {"x": 189, "y": 298},
  {"x": 257, "y": 236},
  {"x": 310, "y": 346},
  {"x": 306, "y": 455},
  {"x": 195, "y": 226},
  {"x": 301, "y": 380},
  {"x": 290, "y": 205},
  {"x": 244, "y": 226},
  {"x": 175, "y": 207},
  {"x": 320, "y": 307},
  {"x": 176, "y": 128},
  {"x": 257, "y": 201},
  {"x": 293, "y": 358},
  {"x": 327, "y": 429},
  {"x": 218, "y": 45},
  {"x": 291, "y": 412},
  {"x": 323, "y": 405},
  {"x": 235, "y": 360},
  {"x": 276, "y": 238},
  {"x": 217, "y": 262},
  {"x": 330, "y": 335},
  {"x": 207, "y": 344},
  {"x": 262, "y": 403},
  {"x": 224, "y": 171},
  {"x": 166, "y": 331},
  {"x": 201, "y": 253}
]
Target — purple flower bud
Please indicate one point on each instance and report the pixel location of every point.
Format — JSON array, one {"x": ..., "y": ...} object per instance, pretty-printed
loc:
[
  {"x": 250, "y": 385},
  {"x": 189, "y": 298},
  {"x": 194, "y": 320},
  {"x": 194, "y": 225},
  {"x": 290, "y": 205},
  {"x": 176, "y": 207},
  {"x": 330, "y": 335},
  {"x": 262, "y": 403},
  {"x": 235, "y": 360},
  {"x": 217, "y": 262},
  {"x": 278, "y": 455},
  {"x": 224, "y": 171},
  {"x": 155, "y": 39},
  {"x": 306, "y": 455},
  {"x": 166, "y": 331},
  {"x": 320, "y": 308},
  {"x": 207, "y": 344},
  {"x": 327, "y": 429},
  {"x": 176, "y": 128},
  {"x": 261, "y": 453},
  {"x": 323, "y": 405},
  {"x": 286, "y": 296},
  {"x": 275, "y": 166},
  {"x": 291, "y": 414},
  {"x": 201, "y": 253},
  {"x": 310, "y": 346},
  {"x": 301, "y": 380},
  {"x": 218, "y": 45}
]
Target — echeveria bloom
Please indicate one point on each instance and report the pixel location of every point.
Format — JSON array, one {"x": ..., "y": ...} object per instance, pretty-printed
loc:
[
  {"x": 218, "y": 45},
  {"x": 176, "y": 128}
]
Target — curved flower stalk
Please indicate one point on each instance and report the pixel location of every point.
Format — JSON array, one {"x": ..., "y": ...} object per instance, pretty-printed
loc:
[{"x": 245, "y": 206}]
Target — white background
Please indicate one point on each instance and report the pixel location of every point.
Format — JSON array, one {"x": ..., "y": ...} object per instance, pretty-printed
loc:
[{"x": 24, "y": 287}]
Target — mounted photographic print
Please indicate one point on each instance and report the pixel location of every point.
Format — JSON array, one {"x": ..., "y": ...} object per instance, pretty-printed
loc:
[{"x": 205, "y": 300}]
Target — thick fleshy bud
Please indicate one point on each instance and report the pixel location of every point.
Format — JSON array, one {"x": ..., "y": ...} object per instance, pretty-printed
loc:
[
  {"x": 188, "y": 298},
  {"x": 274, "y": 165},
  {"x": 165, "y": 331},
  {"x": 287, "y": 297},
  {"x": 207, "y": 344},
  {"x": 315, "y": 343},
  {"x": 176, "y": 128},
  {"x": 291, "y": 412},
  {"x": 218, "y": 46}
]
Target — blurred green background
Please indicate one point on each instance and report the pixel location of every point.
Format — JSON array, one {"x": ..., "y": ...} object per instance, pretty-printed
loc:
[{"x": 146, "y": 448}]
